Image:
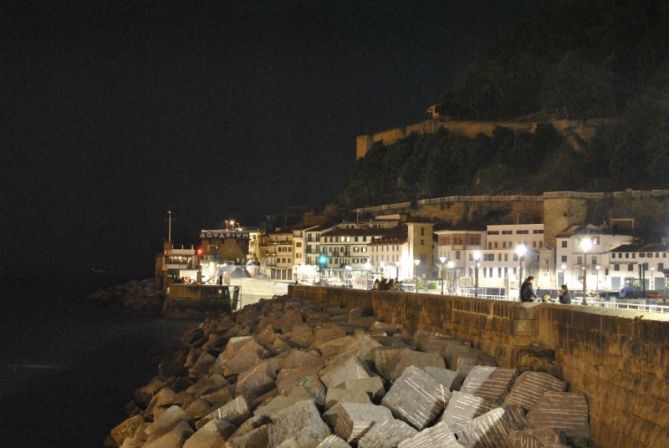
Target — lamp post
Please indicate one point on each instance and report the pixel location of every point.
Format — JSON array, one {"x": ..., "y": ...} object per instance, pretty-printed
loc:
[
  {"x": 586, "y": 245},
  {"x": 397, "y": 271},
  {"x": 520, "y": 250},
  {"x": 450, "y": 265},
  {"x": 651, "y": 285},
  {"x": 441, "y": 273},
  {"x": 477, "y": 259},
  {"x": 563, "y": 267},
  {"x": 415, "y": 272},
  {"x": 598, "y": 268},
  {"x": 348, "y": 269},
  {"x": 368, "y": 268}
]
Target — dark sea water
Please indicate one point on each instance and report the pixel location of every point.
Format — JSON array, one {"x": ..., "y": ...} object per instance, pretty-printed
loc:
[{"x": 67, "y": 367}]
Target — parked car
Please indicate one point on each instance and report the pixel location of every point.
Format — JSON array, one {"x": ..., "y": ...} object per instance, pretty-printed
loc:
[{"x": 630, "y": 291}]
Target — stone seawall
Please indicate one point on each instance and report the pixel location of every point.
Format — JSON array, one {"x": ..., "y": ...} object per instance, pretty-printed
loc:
[{"x": 618, "y": 359}]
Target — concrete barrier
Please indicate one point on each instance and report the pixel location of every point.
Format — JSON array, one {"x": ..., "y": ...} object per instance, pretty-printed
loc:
[{"x": 618, "y": 359}]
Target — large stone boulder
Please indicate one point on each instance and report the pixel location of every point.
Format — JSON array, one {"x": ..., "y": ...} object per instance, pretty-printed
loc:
[
  {"x": 566, "y": 412},
  {"x": 416, "y": 397},
  {"x": 302, "y": 421},
  {"x": 437, "y": 436},
  {"x": 493, "y": 429},
  {"x": 212, "y": 435},
  {"x": 235, "y": 412},
  {"x": 462, "y": 408},
  {"x": 387, "y": 434},
  {"x": 126, "y": 429},
  {"x": 490, "y": 383},
  {"x": 336, "y": 374},
  {"x": 529, "y": 387},
  {"x": 353, "y": 420}
]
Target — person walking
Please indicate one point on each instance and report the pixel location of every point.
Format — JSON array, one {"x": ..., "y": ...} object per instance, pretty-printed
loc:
[
  {"x": 563, "y": 296},
  {"x": 527, "y": 293}
]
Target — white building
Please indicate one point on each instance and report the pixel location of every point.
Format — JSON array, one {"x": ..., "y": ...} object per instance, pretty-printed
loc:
[
  {"x": 572, "y": 259},
  {"x": 457, "y": 249},
  {"x": 632, "y": 263},
  {"x": 501, "y": 263}
]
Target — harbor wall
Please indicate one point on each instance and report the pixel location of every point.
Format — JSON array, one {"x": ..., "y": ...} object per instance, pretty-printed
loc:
[{"x": 618, "y": 359}]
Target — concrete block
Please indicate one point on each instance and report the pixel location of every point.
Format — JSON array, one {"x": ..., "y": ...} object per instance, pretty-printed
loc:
[
  {"x": 562, "y": 411},
  {"x": 333, "y": 441},
  {"x": 406, "y": 358},
  {"x": 351, "y": 369},
  {"x": 416, "y": 397},
  {"x": 462, "y": 408},
  {"x": 493, "y": 429},
  {"x": 299, "y": 417},
  {"x": 529, "y": 387},
  {"x": 336, "y": 395},
  {"x": 235, "y": 412},
  {"x": 353, "y": 420},
  {"x": 437, "y": 436},
  {"x": 387, "y": 434},
  {"x": 211, "y": 435},
  {"x": 490, "y": 383},
  {"x": 445, "y": 377}
]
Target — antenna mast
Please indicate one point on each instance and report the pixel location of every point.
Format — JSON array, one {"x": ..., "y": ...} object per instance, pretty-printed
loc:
[{"x": 169, "y": 226}]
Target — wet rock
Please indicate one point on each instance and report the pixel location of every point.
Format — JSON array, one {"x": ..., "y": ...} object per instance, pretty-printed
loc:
[
  {"x": 165, "y": 397},
  {"x": 300, "y": 359},
  {"x": 445, "y": 377},
  {"x": 172, "y": 439},
  {"x": 212, "y": 435},
  {"x": 235, "y": 412},
  {"x": 330, "y": 349},
  {"x": 336, "y": 395},
  {"x": 462, "y": 408},
  {"x": 353, "y": 420},
  {"x": 144, "y": 394},
  {"x": 490, "y": 383},
  {"x": 202, "y": 365},
  {"x": 387, "y": 434},
  {"x": 493, "y": 429},
  {"x": 529, "y": 387},
  {"x": 537, "y": 438},
  {"x": 255, "y": 438},
  {"x": 198, "y": 409},
  {"x": 256, "y": 381},
  {"x": 302, "y": 335},
  {"x": 333, "y": 441},
  {"x": 437, "y": 436},
  {"x": 167, "y": 420},
  {"x": 218, "y": 397},
  {"x": 300, "y": 417},
  {"x": 416, "y": 397},
  {"x": 372, "y": 386},
  {"x": 336, "y": 374},
  {"x": 562, "y": 411},
  {"x": 126, "y": 429},
  {"x": 406, "y": 358},
  {"x": 207, "y": 385}
]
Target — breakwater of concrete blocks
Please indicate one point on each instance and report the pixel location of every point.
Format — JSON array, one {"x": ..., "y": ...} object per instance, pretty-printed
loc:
[{"x": 299, "y": 373}]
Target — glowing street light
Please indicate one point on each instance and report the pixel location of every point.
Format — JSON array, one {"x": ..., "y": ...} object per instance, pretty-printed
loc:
[
  {"x": 477, "y": 263},
  {"x": 586, "y": 245}
]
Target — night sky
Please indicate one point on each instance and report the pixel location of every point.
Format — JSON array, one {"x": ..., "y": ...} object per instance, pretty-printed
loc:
[{"x": 113, "y": 112}]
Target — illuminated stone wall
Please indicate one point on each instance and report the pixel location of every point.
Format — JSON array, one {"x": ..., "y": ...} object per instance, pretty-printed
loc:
[{"x": 619, "y": 360}]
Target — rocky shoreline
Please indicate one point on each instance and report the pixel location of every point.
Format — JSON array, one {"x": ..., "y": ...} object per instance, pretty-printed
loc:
[
  {"x": 135, "y": 298},
  {"x": 293, "y": 373}
]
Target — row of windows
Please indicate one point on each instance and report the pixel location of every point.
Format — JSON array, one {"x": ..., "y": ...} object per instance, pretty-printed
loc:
[
  {"x": 337, "y": 249},
  {"x": 641, "y": 255},
  {"x": 385, "y": 259},
  {"x": 511, "y": 245},
  {"x": 385, "y": 248},
  {"x": 630, "y": 267},
  {"x": 518, "y": 232},
  {"x": 447, "y": 240},
  {"x": 344, "y": 239},
  {"x": 284, "y": 249}
]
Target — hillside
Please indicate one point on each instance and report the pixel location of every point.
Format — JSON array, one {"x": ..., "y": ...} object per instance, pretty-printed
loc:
[{"x": 571, "y": 59}]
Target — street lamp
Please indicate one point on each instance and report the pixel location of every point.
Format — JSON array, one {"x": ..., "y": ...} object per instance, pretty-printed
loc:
[
  {"x": 651, "y": 285},
  {"x": 348, "y": 275},
  {"x": 598, "y": 267},
  {"x": 477, "y": 259},
  {"x": 415, "y": 272},
  {"x": 450, "y": 265},
  {"x": 520, "y": 250},
  {"x": 586, "y": 245},
  {"x": 441, "y": 273}
]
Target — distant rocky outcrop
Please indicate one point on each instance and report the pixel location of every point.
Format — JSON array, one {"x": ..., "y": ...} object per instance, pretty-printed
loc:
[{"x": 135, "y": 298}]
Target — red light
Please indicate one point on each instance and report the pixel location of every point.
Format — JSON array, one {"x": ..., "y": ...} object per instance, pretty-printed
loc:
[{"x": 199, "y": 251}]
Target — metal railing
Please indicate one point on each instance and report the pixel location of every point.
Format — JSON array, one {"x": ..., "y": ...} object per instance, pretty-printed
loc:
[{"x": 644, "y": 307}]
